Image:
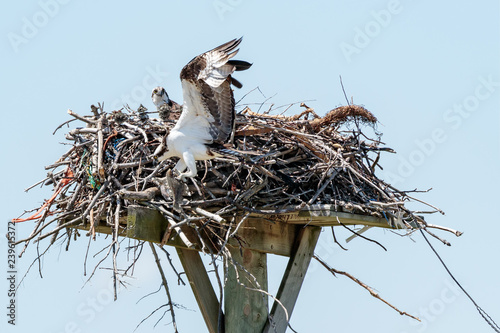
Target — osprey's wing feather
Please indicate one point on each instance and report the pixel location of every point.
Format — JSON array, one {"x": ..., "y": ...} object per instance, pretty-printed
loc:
[{"x": 206, "y": 82}]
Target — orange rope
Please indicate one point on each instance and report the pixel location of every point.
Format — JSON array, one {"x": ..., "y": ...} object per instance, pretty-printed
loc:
[
  {"x": 68, "y": 178},
  {"x": 115, "y": 133}
]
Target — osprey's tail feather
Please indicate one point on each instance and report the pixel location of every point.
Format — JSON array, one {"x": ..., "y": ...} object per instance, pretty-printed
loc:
[{"x": 238, "y": 65}]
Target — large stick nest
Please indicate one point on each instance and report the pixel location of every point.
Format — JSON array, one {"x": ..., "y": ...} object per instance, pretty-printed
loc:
[{"x": 286, "y": 164}]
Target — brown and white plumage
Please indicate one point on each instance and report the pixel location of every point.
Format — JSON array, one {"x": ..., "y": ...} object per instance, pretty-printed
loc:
[{"x": 208, "y": 112}]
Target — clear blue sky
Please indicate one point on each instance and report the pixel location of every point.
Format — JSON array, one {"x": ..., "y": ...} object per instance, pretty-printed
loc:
[{"x": 428, "y": 70}]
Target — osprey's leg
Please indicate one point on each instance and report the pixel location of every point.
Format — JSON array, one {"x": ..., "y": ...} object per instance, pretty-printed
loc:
[
  {"x": 180, "y": 166},
  {"x": 190, "y": 162}
]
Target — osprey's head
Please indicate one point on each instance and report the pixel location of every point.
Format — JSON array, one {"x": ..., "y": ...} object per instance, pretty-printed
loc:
[{"x": 160, "y": 97}]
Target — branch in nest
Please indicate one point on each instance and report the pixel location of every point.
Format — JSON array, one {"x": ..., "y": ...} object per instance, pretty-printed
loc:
[{"x": 343, "y": 114}]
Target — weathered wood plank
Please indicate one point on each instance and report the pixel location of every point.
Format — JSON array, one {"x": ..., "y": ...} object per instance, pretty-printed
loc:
[
  {"x": 150, "y": 225},
  {"x": 267, "y": 236},
  {"x": 246, "y": 310},
  {"x": 293, "y": 278},
  {"x": 326, "y": 216},
  {"x": 145, "y": 224},
  {"x": 263, "y": 233},
  {"x": 202, "y": 288}
]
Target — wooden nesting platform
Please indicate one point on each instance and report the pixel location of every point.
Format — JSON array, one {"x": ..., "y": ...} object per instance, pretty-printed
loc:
[
  {"x": 293, "y": 235},
  {"x": 263, "y": 233}
]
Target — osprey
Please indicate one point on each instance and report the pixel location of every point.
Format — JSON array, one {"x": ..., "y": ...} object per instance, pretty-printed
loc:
[
  {"x": 160, "y": 97},
  {"x": 163, "y": 103},
  {"x": 207, "y": 118}
]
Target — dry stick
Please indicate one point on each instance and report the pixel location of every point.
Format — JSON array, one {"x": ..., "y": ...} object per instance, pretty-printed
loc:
[
  {"x": 31, "y": 265},
  {"x": 99, "y": 263},
  {"x": 370, "y": 290},
  {"x": 234, "y": 232},
  {"x": 100, "y": 144},
  {"x": 444, "y": 241},
  {"x": 226, "y": 239},
  {"x": 323, "y": 187},
  {"x": 69, "y": 233},
  {"x": 86, "y": 256},
  {"x": 94, "y": 200},
  {"x": 175, "y": 225},
  {"x": 256, "y": 88},
  {"x": 75, "y": 196},
  {"x": 425, "y": 203},
  {"x": 212, "y": 216},
  {"x": 456, "y": 232},
  {"x": 165, "y": 285},
  {"x": 77, "y": 116},
  {"x": 220, "y": 323},
  {"x": 375, "y": 163},
  {"x": 196, "y": 186},
  {"x": 342, "y": 85},
  {"x": 280, "y": 129},
  {"x": 138, "y": 129},
  {"x": 387, "y": 204},
  {"x": 132, "y": 164},
  {"x": 65, "y": 123},
  {"x": 43, "y": 180},
  {"x": 179, "y": 278},
  {"x": 335, "y": 240},
  {"x": 369, "y": 182},
  {"x": 38, "y": 258},
  {"x": 152, "y": 313},
  {"x": 269, "y": 211},
  {"x": 91, "y": 231},
  {"x": 151, "y": 175},
  {"x": 136, "y": 256},
  {"x": 239, "y": 224},
  {"x": 116, "y": 244},
  {"x": 358, "y": 234},
  {"x": 33, "y": 234},
  {"x": 57, "y": 229}
]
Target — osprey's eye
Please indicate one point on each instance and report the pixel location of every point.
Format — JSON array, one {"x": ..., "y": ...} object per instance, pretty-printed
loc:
[{"x": 155, "y": 91}]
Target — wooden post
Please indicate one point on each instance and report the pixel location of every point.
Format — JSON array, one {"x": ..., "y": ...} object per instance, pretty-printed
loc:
[
  {"x": 293, "y": 278},
  {"x": 202, "y": 288},
  {"x": 145, "y": 224},
  {"x": 246, "y": 310}
]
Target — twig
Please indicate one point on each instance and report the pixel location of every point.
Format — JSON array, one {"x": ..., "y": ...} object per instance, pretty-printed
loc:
[
  {"x": 77, "y": 116},
  {"x": 335, "y": 239},
  {"x": 359, "y": 235},
  {"x": 179, "y": 278},
  {"x": 165, "y": 285},
  {"x": 370, "y": 290}
]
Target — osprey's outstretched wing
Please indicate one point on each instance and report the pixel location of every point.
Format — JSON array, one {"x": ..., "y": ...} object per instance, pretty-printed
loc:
[{"x": 208, "y": 111}]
